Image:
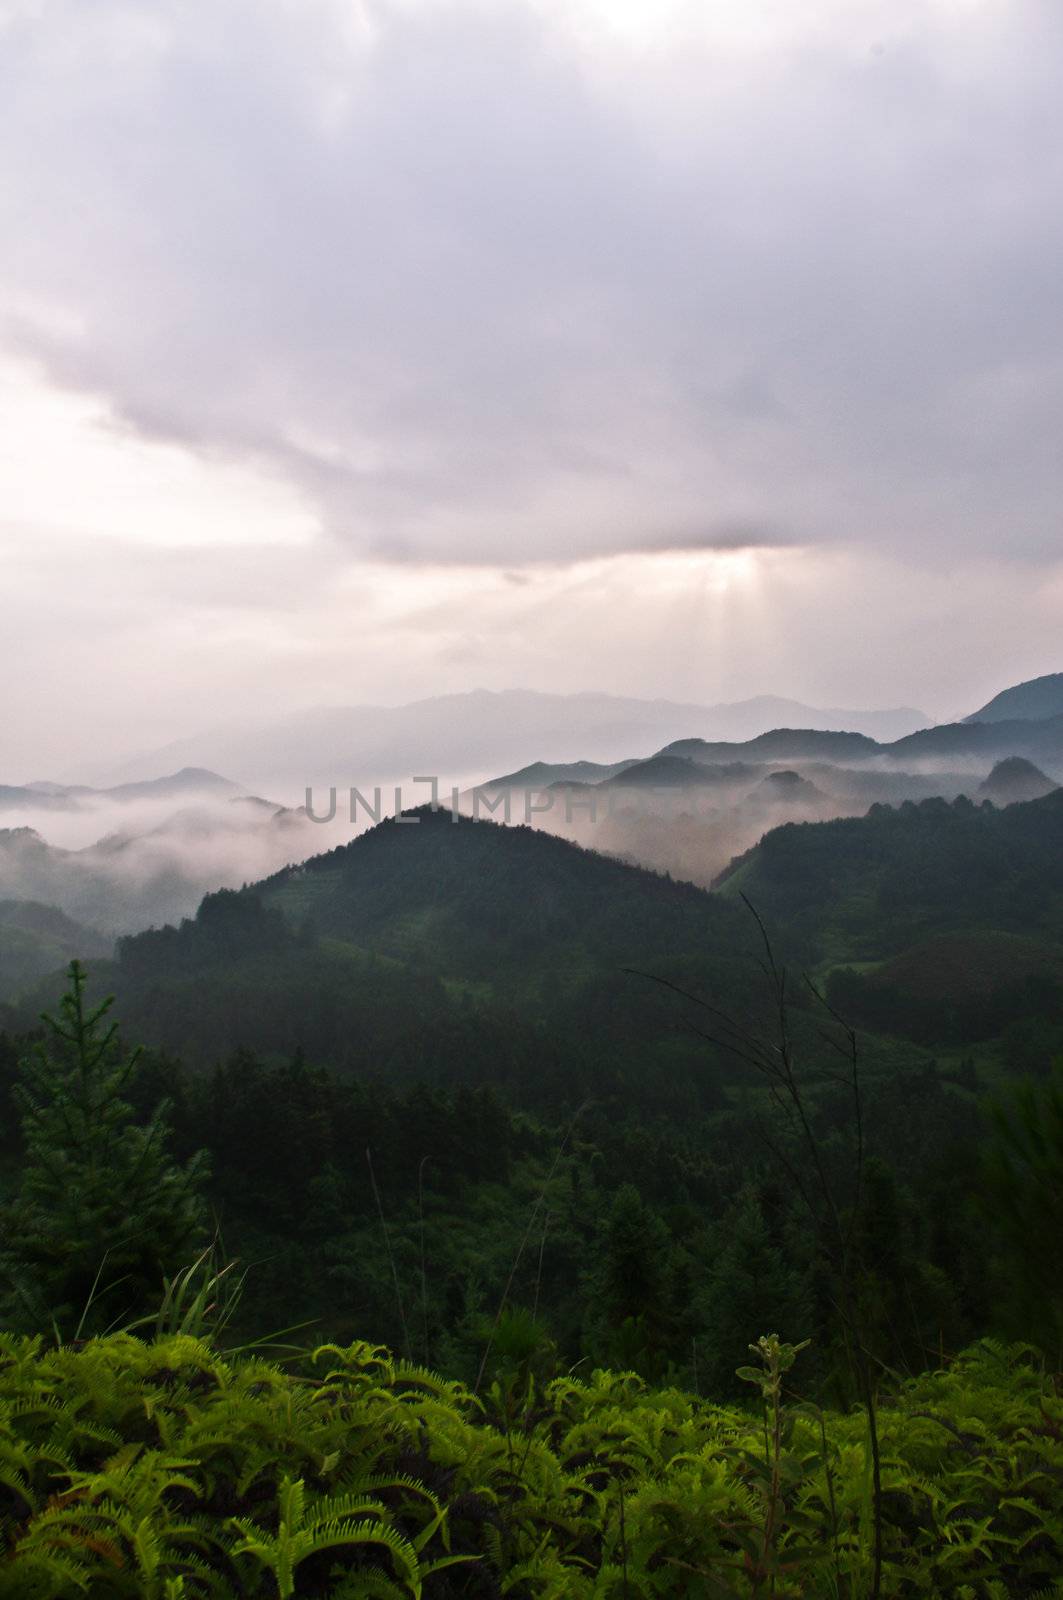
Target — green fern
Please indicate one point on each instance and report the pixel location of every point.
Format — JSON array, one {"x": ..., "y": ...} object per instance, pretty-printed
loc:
[{"x": 308, "y": 1527}]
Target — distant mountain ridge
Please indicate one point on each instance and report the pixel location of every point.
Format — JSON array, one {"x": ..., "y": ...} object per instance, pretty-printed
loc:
[
  {"x": 465, "y": 736},
  {"x": 458, "y": 735},
  {"x": 665, "y": 770},
  {"x": 47, "y": 796},
  {"x": 540, "y": 774},
  {"x": 1034, "y": 739},
  {"x": 1034, "y": 700},
  {"x": 1038, "y": 741},
  {"x": 783, "y": 744}
]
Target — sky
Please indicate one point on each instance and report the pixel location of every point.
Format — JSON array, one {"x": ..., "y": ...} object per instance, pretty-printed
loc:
[{"x": 358, "y": 350}]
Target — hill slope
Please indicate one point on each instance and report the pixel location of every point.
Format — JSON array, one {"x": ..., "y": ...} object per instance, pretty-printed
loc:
[
  {"x": 897, "y": 873},
  {"x": 1015, "y": 779},
  {"x": 449, "y": 951},
  {"x": 957, "y": 908},
  {"x": 476, "y": 900},
  {"x": 36, "y": 940},
  {"x": 1034, "y": 700}
]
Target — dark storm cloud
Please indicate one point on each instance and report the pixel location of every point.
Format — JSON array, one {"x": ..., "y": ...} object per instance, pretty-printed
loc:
[{"x": 493, "y": 290}]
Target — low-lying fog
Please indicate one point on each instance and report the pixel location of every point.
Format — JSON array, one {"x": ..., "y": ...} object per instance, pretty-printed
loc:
[
  {"x": 692, "y": 824},
  {"x": 120, "y": 867},
  {"x": 121, "y": 860}
]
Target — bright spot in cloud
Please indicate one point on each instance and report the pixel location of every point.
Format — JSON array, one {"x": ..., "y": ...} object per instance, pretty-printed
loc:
[{"x": 66, "y": 462}]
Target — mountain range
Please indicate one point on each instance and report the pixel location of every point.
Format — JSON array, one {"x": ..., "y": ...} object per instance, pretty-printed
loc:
[
  {"x": 159, "y": 844},
  {"x": 466, "y": 736},
  {"x": 428, "y": 947},
  {"x": 970, "y": 741},
  {"x": 175, "y": 786},
  {"x": 966, "y": 745},
  {"x": 463, "y": 737}
]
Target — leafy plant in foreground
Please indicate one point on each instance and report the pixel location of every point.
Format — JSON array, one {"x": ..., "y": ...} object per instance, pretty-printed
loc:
[{"x": 162, "y": 1470}]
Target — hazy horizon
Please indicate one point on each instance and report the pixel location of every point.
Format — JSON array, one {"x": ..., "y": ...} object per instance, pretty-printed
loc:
[{"x": 480, "y": 735}]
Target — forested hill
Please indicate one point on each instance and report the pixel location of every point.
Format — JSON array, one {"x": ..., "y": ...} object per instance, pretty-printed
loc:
[
  {"x": 452, "y": 951},
  {"x": 36, "y": 940},
  {"x": 937, "y": 923},
  {"x": 474, "y": 898},
  {"x": 475, "y": 952},
  {"x": 899, "y": 872}
]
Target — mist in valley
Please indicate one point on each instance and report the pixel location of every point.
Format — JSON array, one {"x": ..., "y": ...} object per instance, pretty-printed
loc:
[
  {"x": 144, "y": 852},
  {"x": 120, "y": 866},
  {"x": 137, "y": 840},
  {"x": 695, "y": 828}
]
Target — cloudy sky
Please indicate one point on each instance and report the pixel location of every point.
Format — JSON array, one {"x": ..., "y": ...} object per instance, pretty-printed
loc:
[{"x": 353, "y": 350}]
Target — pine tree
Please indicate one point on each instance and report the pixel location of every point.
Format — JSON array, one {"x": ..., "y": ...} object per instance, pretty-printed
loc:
[
  {"x": 750, "y": 1285},
  {"x": 629, "y": 1284},
  {"x": 907, "y": 1306},
  {"x": 635, "y": 1249},
  {"x": 103, "y": 1212}
]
